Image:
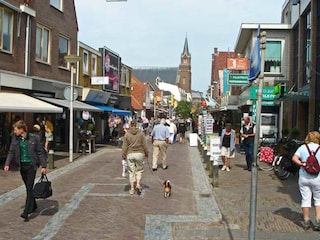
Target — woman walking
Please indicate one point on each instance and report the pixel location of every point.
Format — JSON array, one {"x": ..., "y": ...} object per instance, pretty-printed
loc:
[
  {"x": 134, "y": 150},
  {"x": 309, "y": 185},
  {"x": 227, "y": 145}
]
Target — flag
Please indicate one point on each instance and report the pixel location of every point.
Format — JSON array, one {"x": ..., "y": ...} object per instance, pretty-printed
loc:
[{"x": 255, "y": 59}]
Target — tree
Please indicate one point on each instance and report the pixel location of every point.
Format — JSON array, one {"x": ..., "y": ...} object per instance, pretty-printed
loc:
[{"x": 183, "y": 109}]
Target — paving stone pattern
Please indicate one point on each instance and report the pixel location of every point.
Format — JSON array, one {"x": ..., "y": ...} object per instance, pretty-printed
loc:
[{"x": 91, "y": 201}]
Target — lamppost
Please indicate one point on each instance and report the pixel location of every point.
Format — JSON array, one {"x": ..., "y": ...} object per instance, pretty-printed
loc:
[{"x": 72, "y": 60}]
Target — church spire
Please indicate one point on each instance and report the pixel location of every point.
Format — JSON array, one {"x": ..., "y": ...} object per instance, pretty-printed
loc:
[{"x": 185, "y": 48}]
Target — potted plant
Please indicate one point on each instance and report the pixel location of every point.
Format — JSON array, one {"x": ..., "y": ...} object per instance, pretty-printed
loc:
[{"x": 295, "y": 132}]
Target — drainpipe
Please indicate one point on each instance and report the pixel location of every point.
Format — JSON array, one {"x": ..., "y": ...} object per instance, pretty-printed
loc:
[
  {"x": 27, "y": 50},
  {"x": 30, "y": 12}
]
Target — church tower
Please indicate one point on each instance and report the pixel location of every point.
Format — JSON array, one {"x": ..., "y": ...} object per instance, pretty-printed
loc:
[{"x": 184, "y": 74}]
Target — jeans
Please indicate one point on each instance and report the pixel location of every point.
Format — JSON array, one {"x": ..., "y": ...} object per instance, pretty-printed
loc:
[
  {"x": 248, "y": 149},
  {"x": 28, "y": 174}
]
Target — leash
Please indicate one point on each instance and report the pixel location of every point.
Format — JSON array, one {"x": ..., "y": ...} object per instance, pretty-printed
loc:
[{"x": 155, "y": 176}]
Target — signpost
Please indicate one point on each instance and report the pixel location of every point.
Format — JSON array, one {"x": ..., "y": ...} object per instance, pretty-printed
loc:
[{"x": 237, "y": 79}]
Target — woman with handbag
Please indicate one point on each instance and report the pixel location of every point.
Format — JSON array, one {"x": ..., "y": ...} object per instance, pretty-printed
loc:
[{"x": 29, "y": 154}]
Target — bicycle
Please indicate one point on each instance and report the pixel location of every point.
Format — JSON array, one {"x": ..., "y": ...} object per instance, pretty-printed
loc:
[{"x": 281, "y": 164}]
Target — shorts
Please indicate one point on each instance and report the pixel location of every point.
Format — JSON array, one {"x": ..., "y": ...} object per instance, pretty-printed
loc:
[{"x": 225, "y": 151}]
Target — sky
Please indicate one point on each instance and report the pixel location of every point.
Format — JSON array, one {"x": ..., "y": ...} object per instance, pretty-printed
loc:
[{"x": 151, "y": 33}]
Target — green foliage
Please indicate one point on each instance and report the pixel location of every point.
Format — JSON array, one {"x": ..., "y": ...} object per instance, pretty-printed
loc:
[
  {"x": 285, "y": 132},
  {"x": 295, "y": 132},
  {"x": 183, "y": 109}
]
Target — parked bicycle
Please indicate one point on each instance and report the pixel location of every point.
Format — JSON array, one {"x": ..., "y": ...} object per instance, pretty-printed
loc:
[
  {"x": 280, "y": 163},
  {"x": 283, "y": 164}
]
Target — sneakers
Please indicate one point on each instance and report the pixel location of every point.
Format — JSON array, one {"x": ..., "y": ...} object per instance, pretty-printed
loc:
[
  {"x": 317, "y": 226},
  {"x": 131, "y": 191},
  {"x": 138, "y": 189},
  {"x": 223, "y": 168},
  {"x": 227, "y": 169},
  {"x": 306, "y": 225}
]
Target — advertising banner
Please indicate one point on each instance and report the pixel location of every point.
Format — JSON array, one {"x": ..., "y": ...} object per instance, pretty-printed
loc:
[
  {"x": 215, "y": 150},
  {"x": 111, "y": 68}
]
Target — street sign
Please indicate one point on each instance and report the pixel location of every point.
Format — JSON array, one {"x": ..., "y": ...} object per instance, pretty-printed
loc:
[
  {"x": 99, "y": 80},
  {"x": 237, "y": 79}
]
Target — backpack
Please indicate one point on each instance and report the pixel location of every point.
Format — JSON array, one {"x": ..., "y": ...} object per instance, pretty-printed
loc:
[{"x": 312, "y": 165}]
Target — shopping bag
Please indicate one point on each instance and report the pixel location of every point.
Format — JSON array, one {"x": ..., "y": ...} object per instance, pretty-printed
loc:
[{"x": 42, "y": 189}]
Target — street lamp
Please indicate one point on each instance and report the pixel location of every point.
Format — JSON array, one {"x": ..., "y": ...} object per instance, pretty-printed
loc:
[{"x": 71, "y": 59}]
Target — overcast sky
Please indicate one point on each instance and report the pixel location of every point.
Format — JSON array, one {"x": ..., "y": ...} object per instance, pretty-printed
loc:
[{"x": 152, "y": 32}]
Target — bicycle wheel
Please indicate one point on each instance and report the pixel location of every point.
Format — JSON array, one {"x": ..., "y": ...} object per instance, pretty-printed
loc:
[
  {"x": 280, "y": 167},
  {"x": 264, "y": 166},
  {"x": 281, "y": 173}
]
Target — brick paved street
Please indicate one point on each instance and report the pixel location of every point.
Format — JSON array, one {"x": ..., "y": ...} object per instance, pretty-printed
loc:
[{"x": 91, "y": 201}]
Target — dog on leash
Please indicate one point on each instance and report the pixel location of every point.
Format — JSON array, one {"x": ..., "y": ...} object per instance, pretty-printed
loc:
[{"x": 167, "y": 188}]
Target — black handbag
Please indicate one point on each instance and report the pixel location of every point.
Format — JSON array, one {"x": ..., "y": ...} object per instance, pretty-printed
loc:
[{"x": 42, "y": 189}]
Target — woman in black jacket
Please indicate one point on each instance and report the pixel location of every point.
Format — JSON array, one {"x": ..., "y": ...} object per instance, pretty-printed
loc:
[{"x": 29, "y": 154}]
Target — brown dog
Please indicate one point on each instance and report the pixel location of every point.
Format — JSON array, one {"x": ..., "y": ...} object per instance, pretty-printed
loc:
[{"x": 167, "y": 188}]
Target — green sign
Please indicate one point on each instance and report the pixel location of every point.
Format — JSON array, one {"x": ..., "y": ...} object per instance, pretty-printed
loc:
[
  {"x": 267, "y": 93},
  {"x": 238, "y": 79}
]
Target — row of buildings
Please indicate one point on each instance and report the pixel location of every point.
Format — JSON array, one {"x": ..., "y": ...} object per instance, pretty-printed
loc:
[
  {"x": 290, "y": 99},
  {"x": 36, "y": 36}
]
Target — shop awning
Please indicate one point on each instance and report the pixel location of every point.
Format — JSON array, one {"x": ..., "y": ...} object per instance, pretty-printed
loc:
[
  {"x": 77, "y": 105},
  {"x": 18, "y": 102},
  {"x": 113, "y": 110},
  {"x": 302, "y": 95}
]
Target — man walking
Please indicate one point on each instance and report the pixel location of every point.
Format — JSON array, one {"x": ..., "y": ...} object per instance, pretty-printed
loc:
[
  {"x": 29, "y": 154},
  {"x": 248, "y": 131},
  {"x": 160, "y": 139}
]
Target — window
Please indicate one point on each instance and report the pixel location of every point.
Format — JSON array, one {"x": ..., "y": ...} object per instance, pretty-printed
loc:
[
  {"x": 123, "y": 77},
  {"x": 42, "y": 44},
  {"x": 6, "y": 31},
  {"x": 93, "y": 65},
  {"x": 85, "y": 62},
  {"x": 57, "y": 4},
  {"x": 308, "y": 49},
  {"x": 63, "y": 51},
  {"x": 273, "y": 57}
]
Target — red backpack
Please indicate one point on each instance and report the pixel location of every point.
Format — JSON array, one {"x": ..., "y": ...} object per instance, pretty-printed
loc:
[{"x": 312, "y": 165}]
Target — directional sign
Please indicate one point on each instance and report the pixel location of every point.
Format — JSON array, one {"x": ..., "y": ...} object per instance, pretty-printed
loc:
[{"x": 238, "y": 79}]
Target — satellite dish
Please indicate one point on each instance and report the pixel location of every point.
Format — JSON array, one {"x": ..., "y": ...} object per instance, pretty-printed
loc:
[{"x": 66, "y": 93}]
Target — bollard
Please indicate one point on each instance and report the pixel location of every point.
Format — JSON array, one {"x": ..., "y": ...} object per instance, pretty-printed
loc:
[
  {"x": 215, "y": 173},
  {"x": 204, "y": 154},
  {"x": 210, "y": 165},
  {"x": 51, "y": 159}
]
